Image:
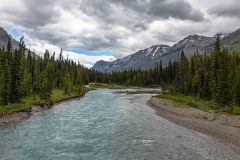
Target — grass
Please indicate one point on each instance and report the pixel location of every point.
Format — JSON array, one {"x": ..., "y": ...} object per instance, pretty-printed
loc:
[
  {"x": 232, "y": 110},
  {"x": 183, "y": 101},
  {"x": 56, "y": 96},
  {"x": 97, "y": 85},
  {"x": 107, "y": 86},
  {"x": 236, "y": 110}
]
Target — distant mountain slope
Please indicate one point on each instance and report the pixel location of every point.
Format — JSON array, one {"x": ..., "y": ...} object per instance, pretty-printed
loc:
[
  {"x": 189, "y": 45},
  {"x": 232, "y": 41},
  {"x": 4, "y": 36},
  {"x": 145, "y": 59},
  {"x": 142, "y": 59}
]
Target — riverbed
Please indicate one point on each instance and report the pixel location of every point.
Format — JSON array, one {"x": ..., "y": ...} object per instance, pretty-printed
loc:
[{"x": 105, "y": 125}]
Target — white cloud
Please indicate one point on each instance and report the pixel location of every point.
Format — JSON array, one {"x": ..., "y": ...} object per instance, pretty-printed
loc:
[
  {"x": 86, "y": 60},
  {"x": 122, "y": 27},
  {"x": 41, "y": 46}
]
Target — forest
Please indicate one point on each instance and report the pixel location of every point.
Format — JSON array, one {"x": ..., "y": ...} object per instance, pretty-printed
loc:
[
  {"x": 210, "y": 77},
  {"x": 24, "y": 74}
]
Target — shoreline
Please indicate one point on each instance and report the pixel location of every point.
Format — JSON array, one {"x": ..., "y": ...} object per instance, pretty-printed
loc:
[
  {"x": 24, "y": 114},
  {"x": 222, "y": 127}
]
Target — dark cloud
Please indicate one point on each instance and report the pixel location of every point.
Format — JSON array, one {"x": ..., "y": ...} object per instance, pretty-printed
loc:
[
  {"x": 176, "y": 9},
  {"x": 34, "y": 13},
  {"x": 122, "y": 26},
  {"x": 230, "y": 9},
  {"x": 166, "y": 9},
  {"x": 152, "y": 8}
]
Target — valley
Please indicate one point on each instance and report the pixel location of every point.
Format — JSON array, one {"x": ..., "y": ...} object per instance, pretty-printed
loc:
[{"x": 78, "y": 80}]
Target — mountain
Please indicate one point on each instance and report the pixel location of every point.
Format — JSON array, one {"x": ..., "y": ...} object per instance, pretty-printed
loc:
[
  {"x": 145, "y": 59},
  {"x": 103, "y": 65},
  {"x": 189, "y": 45},
  {"x": 4, "y": 36},
  {"x": 232, "y": 41},
  {"x": 142, "y": 59}
]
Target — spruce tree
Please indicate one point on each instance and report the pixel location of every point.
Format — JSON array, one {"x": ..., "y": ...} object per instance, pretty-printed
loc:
[{"x": 16, "y": 91}]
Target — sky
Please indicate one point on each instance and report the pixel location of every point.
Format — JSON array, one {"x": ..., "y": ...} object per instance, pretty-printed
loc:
[{"x": 93, "y": 30}]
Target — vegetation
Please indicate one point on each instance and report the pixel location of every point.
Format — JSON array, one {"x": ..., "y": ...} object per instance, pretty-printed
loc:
[
  {"x": 27, "y": 79},
  {"x": 211, "y": 77},
  {"x": 207, "y": 80},
  {"x": 56, "y": 96},
  {"x": 97, "y": 85},
  {"x": 195, "y": 102}
]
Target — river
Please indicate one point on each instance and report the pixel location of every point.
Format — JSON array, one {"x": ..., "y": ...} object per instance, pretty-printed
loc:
[{"x": 104, "y": 125}]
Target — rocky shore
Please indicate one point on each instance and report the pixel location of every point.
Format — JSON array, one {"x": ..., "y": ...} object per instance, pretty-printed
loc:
[
  {"x": 21, "y": 115},
  {"x": 222, "y": 126},
  {"x": 27, "y": 113}
]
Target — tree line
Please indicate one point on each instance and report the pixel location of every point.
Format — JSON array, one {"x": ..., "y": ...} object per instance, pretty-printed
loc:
[
  {"x": 214, "y": 76},
  {"x": 24, "y": 74}
]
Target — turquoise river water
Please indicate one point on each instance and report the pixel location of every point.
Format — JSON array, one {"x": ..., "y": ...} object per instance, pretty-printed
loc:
[{"x": 104, "y": 125}]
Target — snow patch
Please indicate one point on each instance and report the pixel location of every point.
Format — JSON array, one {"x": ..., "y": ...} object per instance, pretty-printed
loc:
[
  {"x": 149, "y": 51},
  {"x": 155, "y": 51}
]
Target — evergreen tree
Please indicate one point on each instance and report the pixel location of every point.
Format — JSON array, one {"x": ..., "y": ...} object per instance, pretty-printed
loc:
[{"x": 16, "y": 91}]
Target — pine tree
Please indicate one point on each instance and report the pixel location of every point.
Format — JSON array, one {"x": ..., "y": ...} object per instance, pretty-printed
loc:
[
  {"x": 5, "y": 88},
  {"x": 16, "y": 91},
  {"x": 68, "y": 84},
  {"x": 44, "y": 90},
  {"x": 183, "y": 74},
  {"x": 216, "y": 71}
]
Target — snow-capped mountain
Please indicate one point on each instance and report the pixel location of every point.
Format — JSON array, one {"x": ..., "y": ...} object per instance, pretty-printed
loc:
[
  {"x": 222, "y": 35},
  {"x": 145, "y": 59},
  {"x": 142, "y": 59}
]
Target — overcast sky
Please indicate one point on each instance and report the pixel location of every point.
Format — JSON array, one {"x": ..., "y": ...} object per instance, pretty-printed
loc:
[{"x": 91, "y": 30}]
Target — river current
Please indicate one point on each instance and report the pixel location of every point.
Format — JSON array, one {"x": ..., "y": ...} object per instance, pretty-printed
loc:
[{"x": 104, "y": 125}]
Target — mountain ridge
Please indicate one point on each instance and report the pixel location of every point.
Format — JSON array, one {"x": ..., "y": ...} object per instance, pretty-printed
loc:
[
  {"x": 4, "y": 38},
  {"x": 146, "y": 58}
]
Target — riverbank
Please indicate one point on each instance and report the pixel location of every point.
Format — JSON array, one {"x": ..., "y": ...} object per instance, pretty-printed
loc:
[
  {"x": 22, "y": 111},
  {"x": 138, "y": 90},
  {"x": 120, "y": 89},
  {"x": 223, "y": 126}
]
